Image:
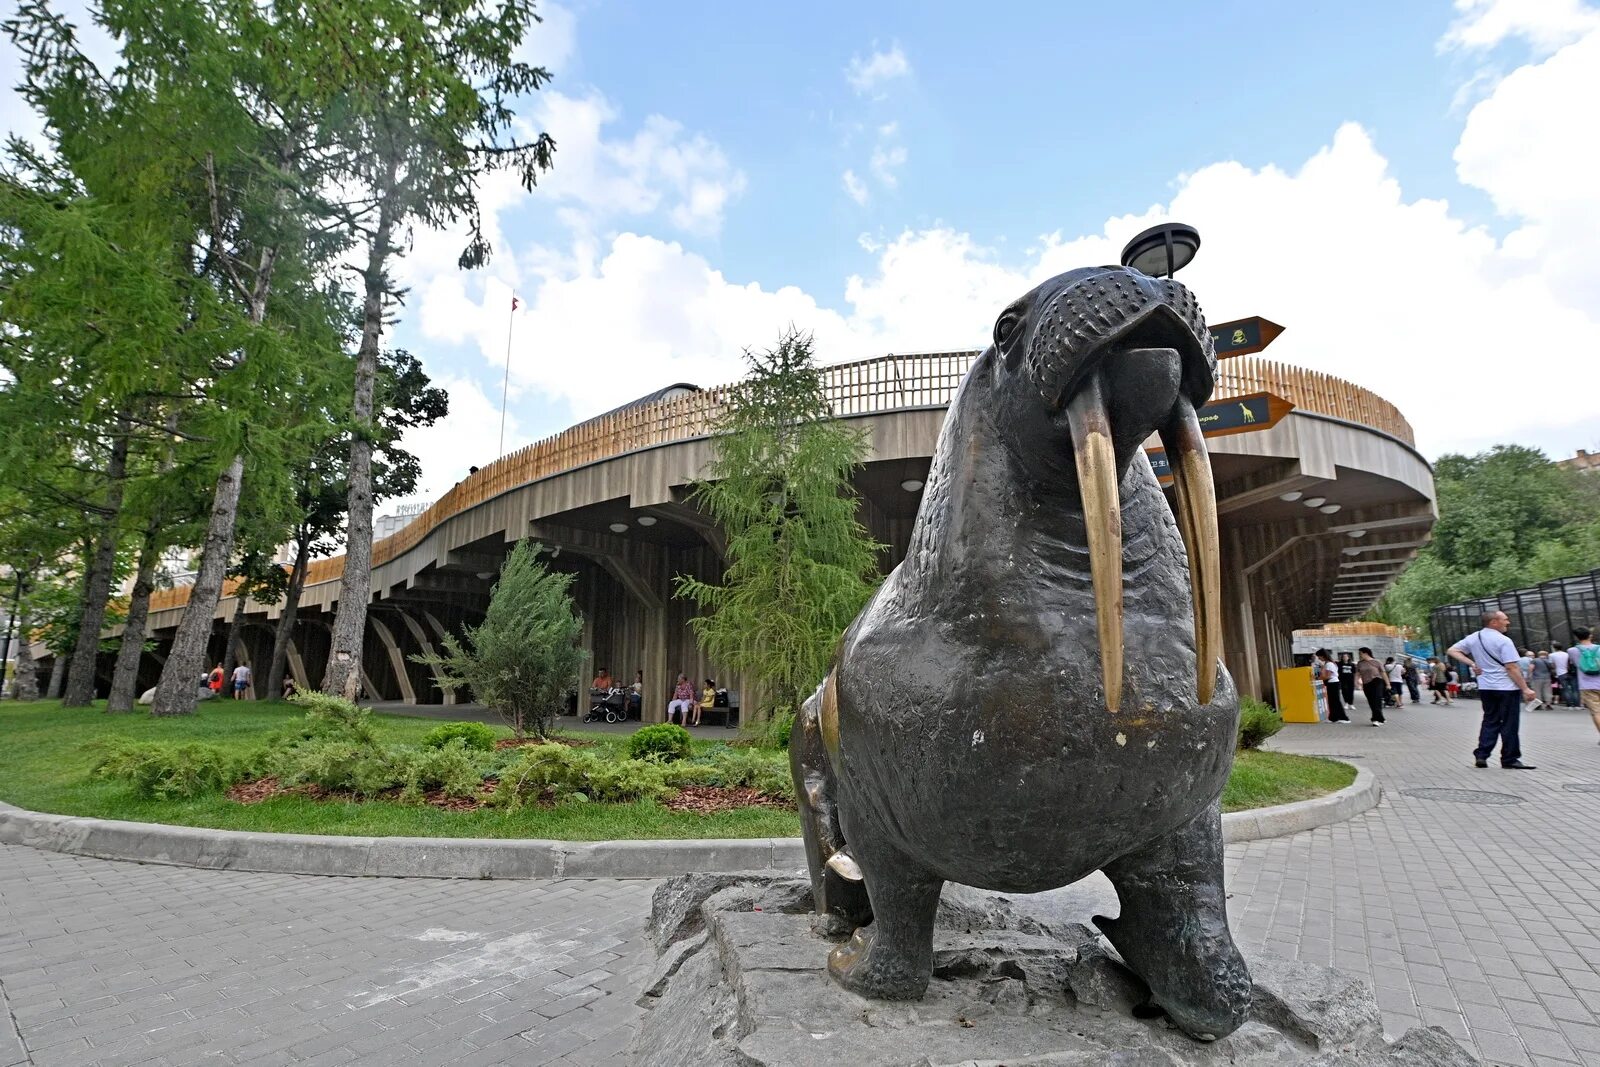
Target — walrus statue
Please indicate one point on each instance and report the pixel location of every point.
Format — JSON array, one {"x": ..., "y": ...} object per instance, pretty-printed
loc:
[{"x": 981, "y": 722}]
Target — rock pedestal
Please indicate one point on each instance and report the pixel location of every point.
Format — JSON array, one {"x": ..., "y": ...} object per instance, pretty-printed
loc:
[{"x": 741, "y": 979}]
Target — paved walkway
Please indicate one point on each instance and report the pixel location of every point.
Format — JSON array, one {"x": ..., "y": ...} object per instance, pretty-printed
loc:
[{"x": 1484, "y": 919}]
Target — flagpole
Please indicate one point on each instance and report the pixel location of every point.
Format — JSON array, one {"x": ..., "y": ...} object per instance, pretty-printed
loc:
[{"x": 511, "y": 318}]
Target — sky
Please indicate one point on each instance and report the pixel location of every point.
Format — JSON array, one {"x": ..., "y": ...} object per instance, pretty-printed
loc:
[{"x": 1411, "y": 189}]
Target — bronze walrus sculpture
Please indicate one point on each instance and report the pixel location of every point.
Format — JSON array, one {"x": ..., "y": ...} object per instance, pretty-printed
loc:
[{"x": 982, "y": 724}]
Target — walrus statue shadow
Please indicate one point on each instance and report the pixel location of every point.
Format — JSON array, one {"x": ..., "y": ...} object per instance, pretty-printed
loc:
[{"x": 981, "y": 723}]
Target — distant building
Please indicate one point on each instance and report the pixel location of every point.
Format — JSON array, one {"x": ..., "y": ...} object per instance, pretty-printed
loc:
[
  {"x": 403, "y": 516},
  {"x": 1585, "y": 462}
]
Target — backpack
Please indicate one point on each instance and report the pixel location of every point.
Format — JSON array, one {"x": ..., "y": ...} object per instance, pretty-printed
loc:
[{"x": 1589, "y": 659}]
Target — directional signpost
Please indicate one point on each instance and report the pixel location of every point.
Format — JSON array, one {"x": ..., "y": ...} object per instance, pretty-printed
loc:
[
  {"x": 1234, "y": 414},
  {"x": 1243, "y": 337}
]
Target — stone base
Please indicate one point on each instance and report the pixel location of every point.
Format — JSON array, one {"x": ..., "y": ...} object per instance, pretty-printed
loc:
[{"x": 741, "y": 979}]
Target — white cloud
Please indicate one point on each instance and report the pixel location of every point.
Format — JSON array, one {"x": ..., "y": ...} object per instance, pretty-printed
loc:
[
  {"x": 1544, "y": 24},
  {"x": 855, "y": 187},
  {"x": 866, "y": 75},
  {"x": 552, "y": 41},
  {"x": 886, "y": 159},
  {"x": 1527, "y": 146}
]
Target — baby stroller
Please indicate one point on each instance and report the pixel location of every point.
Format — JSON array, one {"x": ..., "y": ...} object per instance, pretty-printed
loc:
[{"x": 607, "y": 705}]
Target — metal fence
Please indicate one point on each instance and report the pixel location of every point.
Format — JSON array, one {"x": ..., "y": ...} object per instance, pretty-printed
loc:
[{"x": 1542, "y": 616}]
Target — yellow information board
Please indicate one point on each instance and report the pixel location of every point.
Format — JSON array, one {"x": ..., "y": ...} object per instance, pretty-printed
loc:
[{"x": 1299, "y": 699}]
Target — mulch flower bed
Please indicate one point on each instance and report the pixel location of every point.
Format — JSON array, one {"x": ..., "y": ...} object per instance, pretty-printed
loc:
[{"x": 706, "y": 799}]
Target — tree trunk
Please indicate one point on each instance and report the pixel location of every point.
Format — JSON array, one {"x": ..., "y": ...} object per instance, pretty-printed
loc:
[
  {"x": 291, "y": 607},
  {"x": 178, "y": 689},
  {"x": 27, "y": 670},
  {"x": 58, "y": 677},
  {"x": 125, "y": 678},
  {"x": 343, "y": 676},
  {"x": 230, "y": 651},
  {"x": 80, "y": 684}
]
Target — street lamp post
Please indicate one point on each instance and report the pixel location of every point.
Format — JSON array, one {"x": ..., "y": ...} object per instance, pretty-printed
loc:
[{"x": 1162, "y": 251}]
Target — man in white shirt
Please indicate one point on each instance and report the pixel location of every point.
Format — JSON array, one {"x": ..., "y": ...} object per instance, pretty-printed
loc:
[
  {"x": 1558, "y": 667},
  {"x": 241, "y": 681},
  {"x": 1502, "y": 688}
]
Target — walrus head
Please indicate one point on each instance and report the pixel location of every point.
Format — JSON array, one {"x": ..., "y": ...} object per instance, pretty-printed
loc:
[{"x": 1101, "y": 358}]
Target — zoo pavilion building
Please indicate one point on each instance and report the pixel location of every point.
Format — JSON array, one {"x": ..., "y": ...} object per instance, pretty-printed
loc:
[{"x": 1322, "y": 499}]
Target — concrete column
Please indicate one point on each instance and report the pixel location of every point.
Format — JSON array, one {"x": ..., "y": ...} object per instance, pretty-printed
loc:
[{"x": 397, "y": 660}]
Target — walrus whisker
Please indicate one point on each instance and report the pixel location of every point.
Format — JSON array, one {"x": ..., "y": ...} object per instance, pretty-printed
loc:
[
  {"x": 1090, "y": 428},
  {"x": 1197, "y": 521}
]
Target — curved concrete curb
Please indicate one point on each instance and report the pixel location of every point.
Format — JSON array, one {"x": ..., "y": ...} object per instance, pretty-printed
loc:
[
  {"x": 1360, "y": 795},
  {"x": 455, "y": 857}
]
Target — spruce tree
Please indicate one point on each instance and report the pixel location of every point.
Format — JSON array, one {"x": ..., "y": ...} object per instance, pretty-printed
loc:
[{"x": 800, "y": 565}]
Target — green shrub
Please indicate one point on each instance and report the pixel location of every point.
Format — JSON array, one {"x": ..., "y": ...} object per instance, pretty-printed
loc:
[
  {"x": 337, "y": 766},
  {"x": 724, "y": 766},
  {"x": 327, "y": 718},
  {"x": 455, "y": 768},
  {"x": 474, "y": 735},
  {"x": 1257, "y": 722},
  {"x": 562, "y": 774},
  {"x": 161, "y": 771},
  {"x": 664, "y": 741}
]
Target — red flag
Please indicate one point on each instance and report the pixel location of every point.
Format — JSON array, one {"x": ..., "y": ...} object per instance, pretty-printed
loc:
[{"x": 515, "y": 303}]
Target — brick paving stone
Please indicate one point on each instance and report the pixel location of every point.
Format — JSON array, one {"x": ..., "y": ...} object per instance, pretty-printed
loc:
[
  {"x": 1493, "y": 908},
  {"x": 1482, "y": 919}
]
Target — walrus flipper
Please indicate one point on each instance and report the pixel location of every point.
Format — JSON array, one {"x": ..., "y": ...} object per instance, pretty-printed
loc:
[
  {"x": 1173, "y": 930},
  {"x": 893, "y": 958},
  {"x": 840, "y": 896}
]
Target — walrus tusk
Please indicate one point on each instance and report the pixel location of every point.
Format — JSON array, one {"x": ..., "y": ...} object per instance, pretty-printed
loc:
[
  {"x": 1197, "y": 519},
  {"x": 1102, "y": 521}
]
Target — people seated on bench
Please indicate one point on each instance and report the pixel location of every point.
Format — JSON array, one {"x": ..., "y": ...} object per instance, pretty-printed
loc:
[
  {"x": 635, "y": 704},
  {"x": 602, "y": 680},
  {"x": 682, "y": 702},
  {"x": 708, "y": 699}
]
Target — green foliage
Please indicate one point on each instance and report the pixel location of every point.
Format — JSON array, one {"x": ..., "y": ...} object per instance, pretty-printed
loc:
[
  {"x": 800, "y": 564},
  {"x": 665, "y": 742},
  {"x": 559, "y": 774},
  {"x": 455, "y": 768},
  {"x": 336, "y": 766},
  {"x": 1257, "y": 722},
  {"x": 330, "y": 718},
  {"x": 161, "y": 771},
  {"x": 472, "y": 735},
  {"x": 724, "y": 766},
  {"x": 1508, "y": 517},
  {"x": 525, "y": 655}
]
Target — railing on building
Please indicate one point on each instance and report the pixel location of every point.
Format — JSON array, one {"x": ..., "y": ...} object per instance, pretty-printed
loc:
[
  {"x": 1542, "y": 616},
  {"x": 866, "y": 387}
]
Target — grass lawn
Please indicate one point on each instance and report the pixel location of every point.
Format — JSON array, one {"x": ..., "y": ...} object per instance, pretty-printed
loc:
[{"x": 45, "y": 758}]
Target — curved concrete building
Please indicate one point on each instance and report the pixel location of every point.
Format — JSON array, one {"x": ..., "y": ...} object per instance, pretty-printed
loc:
[{"x": 1322, "y": 499}]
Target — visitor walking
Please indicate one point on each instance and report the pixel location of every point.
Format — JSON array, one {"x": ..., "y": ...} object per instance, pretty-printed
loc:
[
  {"x": 1328, "y": 673},
  {"x": 1374, "y": 684},
  {"x": 1572, "y": 689},
  {"x": 1396, "y": 676},
  {"x": 241, "y": 681},
  {"x": 1439, "y": 682},
  {"x": 215, "y": 682},
  {"x": 1558, "y": 673},
  {"x": 1502, "y": 689},
  {"x": 1347, "y": 679},
  {"x": 1540, "y": 680},
  {"x": 1410, "y": 677},
  {"x": 1585, "y": 659}
]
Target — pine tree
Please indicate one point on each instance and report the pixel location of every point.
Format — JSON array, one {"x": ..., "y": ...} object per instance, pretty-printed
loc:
[
  {"x": 524, "y": 657},
  {"x": 800, "y": 565}
]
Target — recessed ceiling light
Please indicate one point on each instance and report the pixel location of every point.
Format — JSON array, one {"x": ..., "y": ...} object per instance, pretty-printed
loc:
[
  {"x": 1292, "y": 496},
  {"x": 485, "y": 575},
  {"x": 1356, "y": 533},
  {"x": 1316, "y": 502},
  {"x": 619, "y": 527},
  {"x": 1331, "y": 509},
  {"x": 1352, "y": 552},
  {"x": 911, "y": 485},
  {"x": 646, "y": 520}
]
